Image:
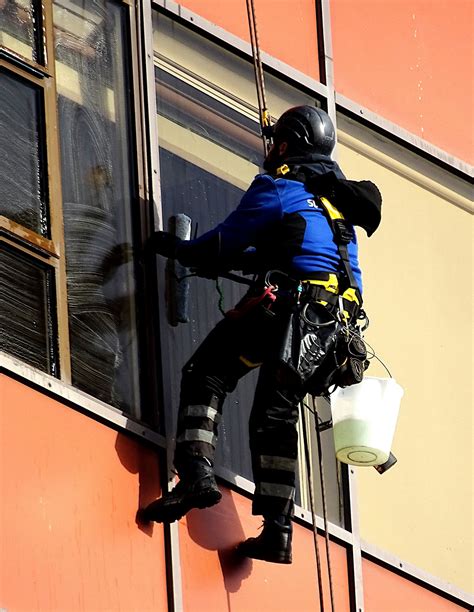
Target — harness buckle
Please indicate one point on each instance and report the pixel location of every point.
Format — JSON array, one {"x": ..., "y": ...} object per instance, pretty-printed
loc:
[{"x": 343, "y": 233}]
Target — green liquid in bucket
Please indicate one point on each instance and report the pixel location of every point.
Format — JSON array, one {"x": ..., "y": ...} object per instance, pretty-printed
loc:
[{"x": 357, "y": 443}]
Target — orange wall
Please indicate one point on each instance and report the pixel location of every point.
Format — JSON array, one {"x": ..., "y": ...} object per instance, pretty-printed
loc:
[
  {"x": 214, "y": 579},
  {"x": 70, "y": 489},
  {"x": 286, "y": 28},
  {"x": 387, "y": 592},
  {"x": 412, "y": 63}
]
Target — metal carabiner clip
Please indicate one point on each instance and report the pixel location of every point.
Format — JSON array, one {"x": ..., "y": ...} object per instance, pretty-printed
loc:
[
  {"x": 312, "y": 323},
  {"x": 342, "y": 318},
  {"x": 268, "y": 282}
]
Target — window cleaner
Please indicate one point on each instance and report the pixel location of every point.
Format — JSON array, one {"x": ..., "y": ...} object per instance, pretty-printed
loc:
[{"x": 291, "y": 322}]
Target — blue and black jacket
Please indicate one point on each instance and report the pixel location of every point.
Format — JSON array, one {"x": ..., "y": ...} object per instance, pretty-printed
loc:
[{"x": 281, "y": 220}]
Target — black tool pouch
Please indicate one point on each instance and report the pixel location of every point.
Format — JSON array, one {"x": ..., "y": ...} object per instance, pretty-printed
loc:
[
  {"x": 309, "y": 336},
  {"x": 352, "y": 352},
  {"x": 319, "y": 352}
]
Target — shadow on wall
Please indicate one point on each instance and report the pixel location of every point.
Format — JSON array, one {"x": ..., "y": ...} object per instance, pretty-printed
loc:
[
  {"x": 141, "y": 460},
  {"x": 225, "y": 534},
  {"x": 226, "y": 530}
]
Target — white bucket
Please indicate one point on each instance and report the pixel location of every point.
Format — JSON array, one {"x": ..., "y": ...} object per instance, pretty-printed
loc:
[{"x": 364, "y": 419}]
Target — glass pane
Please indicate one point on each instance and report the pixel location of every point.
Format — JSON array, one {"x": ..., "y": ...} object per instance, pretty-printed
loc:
[
  {"x": 26, "y": 299},
  {"x": 210, "y": 150},
  {"x": 22, "y": 172},
  {"x": 97, "y": 184},
  {"x": 19, "y": 27}
]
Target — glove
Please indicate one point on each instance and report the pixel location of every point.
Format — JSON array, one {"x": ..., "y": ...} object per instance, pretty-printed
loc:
[
  {"x": 166, "y": 244},
  {"x": 212, "y": 274},
  {"x": 246, "y": 262}
]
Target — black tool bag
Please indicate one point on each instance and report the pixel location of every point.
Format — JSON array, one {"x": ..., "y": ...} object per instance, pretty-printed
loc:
[{"x": 318, "y": 351}]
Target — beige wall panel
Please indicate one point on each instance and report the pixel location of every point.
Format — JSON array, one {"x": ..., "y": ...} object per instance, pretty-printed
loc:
[{"x": 417, "y": 279}]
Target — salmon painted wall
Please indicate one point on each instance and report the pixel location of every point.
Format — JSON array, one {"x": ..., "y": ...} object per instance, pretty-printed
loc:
[
  {"x": 412, "y": 63},
  {"x": 70, "y": 489},
  {"x": 214, "y": 579},
  {"x": 387, "y": 592},
  {"x": 286, "y": 29}
]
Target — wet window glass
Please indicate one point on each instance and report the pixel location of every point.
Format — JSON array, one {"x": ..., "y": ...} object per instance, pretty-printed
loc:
[
  {"x": 210, "y": 150},
  {"x": 22, "y": 182},
  {"x": 26, "y": 307},
  {"x": 19, "y": 27},
  {"x": 98, "y": 197}
]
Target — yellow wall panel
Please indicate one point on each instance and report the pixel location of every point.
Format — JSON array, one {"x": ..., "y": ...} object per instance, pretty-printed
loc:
[{"x": 417, "y": 278}]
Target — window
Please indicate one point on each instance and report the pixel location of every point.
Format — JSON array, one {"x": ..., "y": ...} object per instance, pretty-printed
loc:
[
  {"x": 68, "y": 202},
  {"x": 22, "y": 172},
  {"x": 98, "y": 188},
  {"x": 20, "y": 28},
  {"x": 26, "y": 303},
  {"x": 210, "y": 150},
  {"x": 30, "y": 239}
]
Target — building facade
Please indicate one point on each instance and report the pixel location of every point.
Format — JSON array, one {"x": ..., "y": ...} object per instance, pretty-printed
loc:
[{"x": 114, "y": 117}]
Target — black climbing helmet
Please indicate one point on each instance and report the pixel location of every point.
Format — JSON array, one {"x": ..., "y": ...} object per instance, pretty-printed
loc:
[{"x": 306, "y": 129}]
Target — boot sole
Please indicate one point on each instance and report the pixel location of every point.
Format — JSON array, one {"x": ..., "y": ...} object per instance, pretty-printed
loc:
[
  {"x": 173, "y": 512},
  {"x": 283, "y": 558}
]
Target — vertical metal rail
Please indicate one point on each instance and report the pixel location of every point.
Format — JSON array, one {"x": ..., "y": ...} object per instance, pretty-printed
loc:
[
  {"x": 55, "y": 189},
  {"x": 355, "y": 553},
  {"x": 326, "y": 71},
  {"x": 152, "y": 196}
]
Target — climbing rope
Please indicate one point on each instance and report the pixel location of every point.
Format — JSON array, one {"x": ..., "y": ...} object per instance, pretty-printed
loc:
[
  {"x": 312, "y": 504},
  {"x": 264, "y": 115},
  {"x": 323, "y": 498}
]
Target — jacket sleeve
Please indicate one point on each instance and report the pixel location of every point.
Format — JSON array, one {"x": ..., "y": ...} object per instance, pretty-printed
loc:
[{"x": 260, "y": 206}]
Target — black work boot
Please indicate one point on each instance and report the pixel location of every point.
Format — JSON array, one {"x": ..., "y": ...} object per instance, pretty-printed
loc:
[
  {"x": 197, "y": 488},
  {"x": 273, "y": 544}
]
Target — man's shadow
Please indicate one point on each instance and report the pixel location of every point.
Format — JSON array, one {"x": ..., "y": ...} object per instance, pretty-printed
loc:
[
  {"x": 219, "y": 528},
  {"x": 144, "y": 461}
]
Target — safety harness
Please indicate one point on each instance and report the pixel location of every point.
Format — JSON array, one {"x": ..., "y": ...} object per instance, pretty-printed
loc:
[
  {"x": 351, "y": 296},
  {"x": 329, "y": 292}
]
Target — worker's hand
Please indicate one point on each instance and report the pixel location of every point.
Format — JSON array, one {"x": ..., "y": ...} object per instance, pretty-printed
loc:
[
  {"x": 166, "y": 244},
  {"x": 246, "y": 262},
  {"x": 212, "y": 274}
]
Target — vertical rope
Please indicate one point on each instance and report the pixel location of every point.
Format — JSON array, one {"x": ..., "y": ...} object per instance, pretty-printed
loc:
[
  {"x": 325, "y": 512},
  {"x": 313, "y": 510},
  {"x": 258, "y": 70}
]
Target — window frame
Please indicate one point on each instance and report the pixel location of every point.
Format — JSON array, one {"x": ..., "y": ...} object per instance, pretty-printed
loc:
[
  {"x": 47, "y": 250},
  {"x": 42, "y": 42},
  {"x": 51, "y": 250}
]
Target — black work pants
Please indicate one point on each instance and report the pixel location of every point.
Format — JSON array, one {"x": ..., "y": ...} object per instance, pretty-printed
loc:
[{"x": 231, "y": 350}]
